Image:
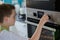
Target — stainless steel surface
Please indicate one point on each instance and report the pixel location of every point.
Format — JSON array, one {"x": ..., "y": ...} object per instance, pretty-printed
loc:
[
  {"x": 47, "y": 32},
  {"x": 55, "y": 16}
]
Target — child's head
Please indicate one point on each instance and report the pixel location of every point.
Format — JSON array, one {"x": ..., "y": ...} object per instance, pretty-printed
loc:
[{"x": 7, "y": 14}]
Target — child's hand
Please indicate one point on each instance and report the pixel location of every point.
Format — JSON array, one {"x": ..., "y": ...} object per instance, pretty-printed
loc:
[
  {"x": 38, "y": 30},
  {"x": 44, "y": 19}
]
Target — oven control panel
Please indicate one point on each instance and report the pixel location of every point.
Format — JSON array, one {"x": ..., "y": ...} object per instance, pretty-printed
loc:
[{"x": 34, "y": 15}]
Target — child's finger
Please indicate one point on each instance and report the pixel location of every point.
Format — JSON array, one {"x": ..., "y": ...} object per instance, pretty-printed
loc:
[{"x": 44, "y": 18}]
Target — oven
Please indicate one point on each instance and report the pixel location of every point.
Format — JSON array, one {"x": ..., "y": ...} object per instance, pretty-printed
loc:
[{"x": 33, "y": 17}]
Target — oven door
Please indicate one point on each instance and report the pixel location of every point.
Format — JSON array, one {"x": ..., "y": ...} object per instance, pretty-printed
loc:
[{"x": 45, "y": 34}]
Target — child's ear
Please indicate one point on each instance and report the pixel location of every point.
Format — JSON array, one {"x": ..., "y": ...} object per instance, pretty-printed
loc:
[{"x": 6, "y": 19}]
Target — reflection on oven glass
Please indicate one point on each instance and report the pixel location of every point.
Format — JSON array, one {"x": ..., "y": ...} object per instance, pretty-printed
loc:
[{"x": 47, "y": 35}]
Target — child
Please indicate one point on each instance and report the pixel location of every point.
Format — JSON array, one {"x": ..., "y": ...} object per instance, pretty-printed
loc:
[{"x": 7, "y": 18}]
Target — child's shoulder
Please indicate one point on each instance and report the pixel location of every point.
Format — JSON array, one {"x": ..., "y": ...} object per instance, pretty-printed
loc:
[{"x": 10, "y": 35}]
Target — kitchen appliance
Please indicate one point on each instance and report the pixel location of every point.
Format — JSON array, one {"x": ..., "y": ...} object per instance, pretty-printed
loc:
[
  {"x": 33, "y": 17},
  {"x": 42, "y": 4},
  {"x": 36, "y": 9},
  {"x": 51, "y": 5}
]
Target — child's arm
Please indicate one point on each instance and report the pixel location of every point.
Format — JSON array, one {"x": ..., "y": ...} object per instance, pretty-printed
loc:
[{"x": 37, "y": 33}]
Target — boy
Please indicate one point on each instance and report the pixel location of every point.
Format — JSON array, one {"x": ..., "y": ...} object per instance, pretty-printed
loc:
[{"x": 7, "y": 18}]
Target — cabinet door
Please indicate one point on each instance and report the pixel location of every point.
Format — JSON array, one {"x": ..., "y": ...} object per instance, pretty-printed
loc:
[
  {"x": 20, "y": 1},
  {"x": 8, "y": 1}
]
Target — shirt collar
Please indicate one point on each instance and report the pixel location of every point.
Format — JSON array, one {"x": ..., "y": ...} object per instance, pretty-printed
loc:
[{"x": 3, "y": 28}]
